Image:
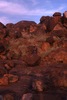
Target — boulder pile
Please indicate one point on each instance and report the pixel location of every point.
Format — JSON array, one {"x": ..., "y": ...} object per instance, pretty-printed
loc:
[{"x": 33, "y": 59}]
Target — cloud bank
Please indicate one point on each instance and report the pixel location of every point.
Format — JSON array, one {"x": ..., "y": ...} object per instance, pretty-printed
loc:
[{"x": 18, "y": 9}]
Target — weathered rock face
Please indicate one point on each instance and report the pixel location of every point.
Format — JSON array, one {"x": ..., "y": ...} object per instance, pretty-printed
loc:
[
  {"x": 50, "y": 22},
  {"x": 33, "y": 59},
  {"x": 25, "y": 26}
]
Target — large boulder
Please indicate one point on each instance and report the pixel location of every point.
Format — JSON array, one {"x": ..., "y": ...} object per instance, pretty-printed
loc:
[
  {"x": 57, "y": 14},
  {"x": 45, "y": 20},
  {"x": 19, "y": 29},
  {"x": 50, "y": 22},
  {"x": 25, "y": 25}
]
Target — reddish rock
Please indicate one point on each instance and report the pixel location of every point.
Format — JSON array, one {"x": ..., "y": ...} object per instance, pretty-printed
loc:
[
  {"x": 65, "y": 14},
  {"x": 32, "y": 28},
  {"x": 59, "y": 26},
  {"x": 41, "y": 29},
  {"x": 11, "y": 78},
  {"x": 59, "y": 33},
  {"x": 4, "y": 81},
  {"x": 61, "y": 56},
  {"x": 17, "y": 34},
  {"x": 32, "y": 49},
  {"x": 45, "y": 46},
  {"x": 3, "y": 33},
  {"x": 50, "y": 22},
  {"x": 60, "y": 76},
  {"x": 56, "y": 55},
  {"x": 8, "y": 79},
  {"x": 50, "y": 40},
  {"x": 2, "y": 70},
  {"x": 9, "y": 65},
  {"x": 57, "y": 14},
  {"x": 9, "y": 26},
  {"x": 27, "y": 96},
  {"x": 38, "y": 85},
  {"x": 32, "y": 60},
  {"x": 25, "y": 25},
  {"x": 8, "y": 97},
  {"x": 45, "y": 20},
  {"x": 65, "y": 18}
]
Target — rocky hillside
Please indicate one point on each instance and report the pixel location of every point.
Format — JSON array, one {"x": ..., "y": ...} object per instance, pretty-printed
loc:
[{"x": 33, "y": 59}]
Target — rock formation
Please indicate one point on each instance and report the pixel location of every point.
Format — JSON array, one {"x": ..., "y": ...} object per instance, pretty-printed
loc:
[{"x": 33, "y": 59}]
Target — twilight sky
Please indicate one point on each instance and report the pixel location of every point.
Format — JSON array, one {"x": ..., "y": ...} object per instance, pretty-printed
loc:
[{"x": 17, "y": 10}]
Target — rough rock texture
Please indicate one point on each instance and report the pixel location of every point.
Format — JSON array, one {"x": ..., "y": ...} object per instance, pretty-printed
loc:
[{"x": 33, "y": 59}]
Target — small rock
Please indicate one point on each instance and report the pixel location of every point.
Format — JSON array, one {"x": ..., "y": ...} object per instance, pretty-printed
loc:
[
  {"x": 8, "y": 78},
  {"x": 4, "y": 81},
  {"x": 32, "y": 60},
  {"x": 45, "y": 46},
  {"x": 8, "y": 97},
  {"x": 27, "y": 96},
  {"x": 11, "y": 78},
  {"x": 9, "y": 65},
  {"x": 38, "y": 85}
]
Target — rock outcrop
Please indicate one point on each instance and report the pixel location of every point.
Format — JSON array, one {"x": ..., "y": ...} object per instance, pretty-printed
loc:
[{"x": 33, "y": 59}]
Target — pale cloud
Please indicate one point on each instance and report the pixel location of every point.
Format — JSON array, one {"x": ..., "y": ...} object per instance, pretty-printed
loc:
[
  {"x": 4, "y": 20},
  {"x": 11, "y": 8},
  {"x": 18, "y": 9}
]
